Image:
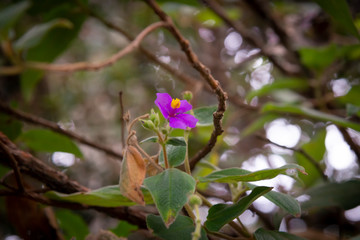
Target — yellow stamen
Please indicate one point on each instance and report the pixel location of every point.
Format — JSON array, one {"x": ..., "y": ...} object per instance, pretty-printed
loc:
[{"x": 175, "y": 103}]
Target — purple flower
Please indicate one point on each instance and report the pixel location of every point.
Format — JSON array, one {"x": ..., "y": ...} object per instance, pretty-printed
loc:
[{"x": 174, "y": 110}]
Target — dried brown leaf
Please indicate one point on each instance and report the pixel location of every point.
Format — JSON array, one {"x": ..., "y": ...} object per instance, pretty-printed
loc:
[{"x": 132, "y": 175}]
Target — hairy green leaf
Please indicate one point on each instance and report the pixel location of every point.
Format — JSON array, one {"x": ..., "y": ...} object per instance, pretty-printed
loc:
[
  {"x": 221, "y": 214},
  {"x": 181, "y": 229},
  {"x": 176, "y": 151},
  {"x": 234, "y": 175},
  {"x": 284, "y": 201},
  {"x": 205, "y": 115},
  {"x": 262, "y": 234},
  {"x": 170, "y": 190},
  {"x": 108, "y": 196}
]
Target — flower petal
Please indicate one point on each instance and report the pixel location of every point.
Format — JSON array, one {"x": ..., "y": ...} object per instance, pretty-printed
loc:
[
  {"x": 182, "y": 121},
  {"x": 163, "y": 101},
  {"x": 184, "y": 107}
]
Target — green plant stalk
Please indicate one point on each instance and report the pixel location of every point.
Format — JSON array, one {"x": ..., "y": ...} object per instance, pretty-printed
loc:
[
  {"x": 187, "y": 163},
  {"x": 190, "y": 212},
  {"x": 162, "y": 143},
  {"x": 197, "y": 233}
]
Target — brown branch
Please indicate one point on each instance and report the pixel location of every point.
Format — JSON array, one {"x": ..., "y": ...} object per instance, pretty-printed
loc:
[
  {"x": 205, "y": 73},
  {"x": 34, "y": 167},
  {"x": 300, "y": 151},
  {"x": 60, "y": 182},
  {"x": 351, "y": 142},
  {"x": 180, "y": 75},
  {"x": 262, "y": 9},
  {"x": 15, "y": 166},
  {"x": 56, "y": 128},
  {"x": 70, "y": 67},
  {"x": 283, "y": 66}
]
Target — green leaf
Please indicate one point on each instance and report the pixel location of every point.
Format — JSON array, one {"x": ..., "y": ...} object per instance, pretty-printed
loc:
[
  {"x": 10, "y": 15},
  {"x": 123, "y": 229},
  {"x": 284, "y": 201},
  {"x": 339, "y": 11},
  {"x": 208, "y": 17},
  {"x": 44, "y": 140},
  {"x": 176, "y": 141},
  {"x": 352, "y": 110},
  {"x": 108, "y": 196},
  {"x": 262, "y": 234},
  {"x": 234, "y": 175},
  {"x": 205, "y": 115},
  {"x": 311, "y": 113},
  {"x": 150, "y": 139},
  {"x": 29, "y": 79},
  {"x": 352, "y": 96},
  {"x": 36, "y": 34},
  {"x": 316, "y": 149},
  {"x": 181, "y": 229},
  {"x": 170, "y": 190},
  {"x": 45, "y": 51},
  {"x": 10, "y": 127},
  {"x": 72, "y": 225},
  {"x": 221, "y": 214},
  {"x": 345, "y": 195},
  {"x": 287, "y": 83},
  {"x": 176, "y": 151},
  {"x": 319, "y": 58},
  {"x": 259, "y": 124}
]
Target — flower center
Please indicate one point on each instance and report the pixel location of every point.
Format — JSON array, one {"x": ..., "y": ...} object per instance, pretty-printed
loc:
[{"x": 175, "y": 103}]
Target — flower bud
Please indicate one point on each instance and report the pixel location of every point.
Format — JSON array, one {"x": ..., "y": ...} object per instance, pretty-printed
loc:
[
  {"x": 155, "y": 118},
  {"x": 148, "y": 124},
  {"x": 195, "y": 200},
  {"x": 187, "y": 95}
]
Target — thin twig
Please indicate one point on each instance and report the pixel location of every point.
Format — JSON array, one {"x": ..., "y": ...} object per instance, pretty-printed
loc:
[
  {"x": 180, "y": 75},
  {"x": 71, "y": 67},
  {"x": 205, "y": 73},
  {"x": 148, "y": 157},
  {"x": 122, "y": 121},
  {"x": 252, "y": 38},
  {"x": 301, "y": 151},
  {"x": 56, "y": 128},
  {"x": 18, "y": 176}
]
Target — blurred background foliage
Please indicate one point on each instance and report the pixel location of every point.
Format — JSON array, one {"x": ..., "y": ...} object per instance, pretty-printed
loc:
[{"x": 292, "y": 77}]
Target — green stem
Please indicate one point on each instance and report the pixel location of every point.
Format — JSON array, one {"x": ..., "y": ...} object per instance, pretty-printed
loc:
[
  {"x": 190, "y": 212},
  {"x": 187, "y": 163},
  {"x": 197, "y": 233},
  {"x": 162, "y": 143}
]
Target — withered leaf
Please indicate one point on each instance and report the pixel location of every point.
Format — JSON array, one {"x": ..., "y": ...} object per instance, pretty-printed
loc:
[{"x": 132, "y": 175}]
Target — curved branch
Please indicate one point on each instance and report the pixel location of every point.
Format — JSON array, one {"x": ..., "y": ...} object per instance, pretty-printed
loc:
[
  {"x": 70, "y": 67},
  {"x": 205, "y": 73}
]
